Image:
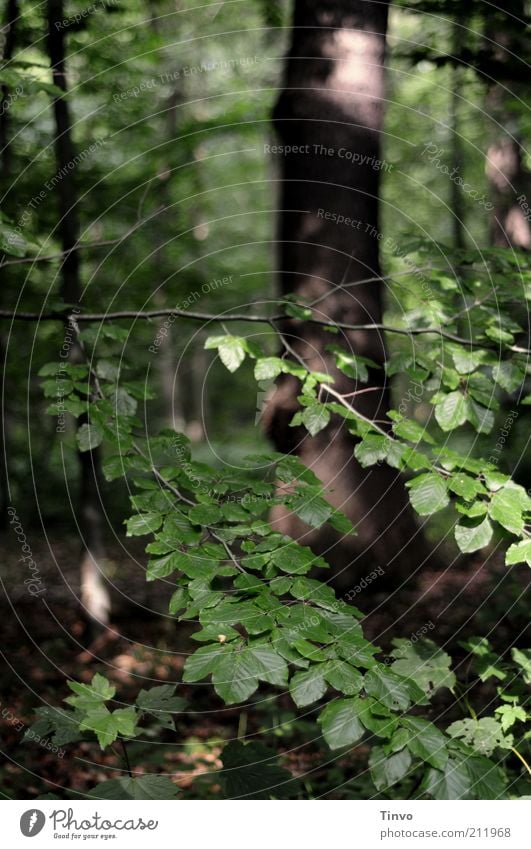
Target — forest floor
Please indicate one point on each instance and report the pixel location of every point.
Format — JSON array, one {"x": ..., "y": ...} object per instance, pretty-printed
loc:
[{"x": 46, "y": 641}]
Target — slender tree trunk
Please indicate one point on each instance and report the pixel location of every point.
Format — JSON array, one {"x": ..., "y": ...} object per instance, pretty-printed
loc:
[
  {"x": 9, "y": 37},
  {"x": 457, "y": 205},
  {"x": 8, "y": 33},
  {"x": 329, "y": 120},
  {"x": 94, "y": 594},
  {"x": 509, "y": 181}
]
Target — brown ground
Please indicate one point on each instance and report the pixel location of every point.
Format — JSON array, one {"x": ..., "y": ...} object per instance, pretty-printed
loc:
[{"x": 46, "y": 641}]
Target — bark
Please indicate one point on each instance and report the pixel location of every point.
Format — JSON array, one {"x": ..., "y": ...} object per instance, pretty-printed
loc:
[
  {"x": 170, "y": 382},
  {"x": 94, "y": 594},
  {"x": 9, "y": 36},
  {"x": 457, "y": 204},
  {"x": 332, "y": 105},
  {"x": 509, "y": 181}
]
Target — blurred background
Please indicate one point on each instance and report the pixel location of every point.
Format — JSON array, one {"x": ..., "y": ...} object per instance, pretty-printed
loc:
[{"x": 170, "y": 104}]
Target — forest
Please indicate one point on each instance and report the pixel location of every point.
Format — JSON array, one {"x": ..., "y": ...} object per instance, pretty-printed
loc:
[{"x": 265, "y": 492}]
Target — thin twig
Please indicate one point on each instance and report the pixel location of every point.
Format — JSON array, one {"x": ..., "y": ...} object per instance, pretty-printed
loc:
[
  {"x": 85, "y": 318},
  {"x": 126, "y": 757},
  {"x": 81, "y": 246}
]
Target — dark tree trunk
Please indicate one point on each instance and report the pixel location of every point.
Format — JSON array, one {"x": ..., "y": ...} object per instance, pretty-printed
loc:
[
  {"x": 94, "y": 594},
  {"x": 509, "y": 181},
  {"x": 9, "y": 34},
  {"x": 457, "y": 205},
  {"x": 331, "y": 108}
]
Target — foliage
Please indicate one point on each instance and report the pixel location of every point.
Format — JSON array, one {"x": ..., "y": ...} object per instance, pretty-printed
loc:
[
  {"x": 458, "y": 366},
  {"x": 263, "y": 619}
]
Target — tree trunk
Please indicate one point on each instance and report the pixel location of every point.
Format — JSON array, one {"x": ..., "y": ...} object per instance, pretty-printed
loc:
[
  {"x": 509, "y": 181},
  {"x": 329, "y": 120},
  {"x": 457, "y": 205},
  {"x": 9, "y": 36},
  {"x": 8, "y": 33},
  {"x": 94, "y": 594}
]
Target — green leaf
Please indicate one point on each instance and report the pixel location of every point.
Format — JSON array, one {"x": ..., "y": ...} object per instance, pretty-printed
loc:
[
  {"x": 357, "y": 651},
  {"x": 245, "y": 613},
  {"x": 471, "y": 538},
  {"x": 164, "y": 566},
  {"x": 412, "y": 431},
  {"x": 311, "y": 652},
  {"x": 316, "y": 592},
  {"x": 179, "y": 601},
  {"x": 236, "y": 675},
  {"x": 205, "y": 514},
  {"x": 481, "y": 418},
  {"x": 231, "y": 350},
  {"x": 315, "y": 418},
  {"x": 486, "y": 663},
  {"x": 392, "y": 690},
  {"x": 376, "y": 717},
  {"x": 428, "y": 494},
  {"x": 297, "y": 311},
  {"x": 425, "y": 741},
  {"x": 308, "y": 686},
  {"x": 89, "y": 436},
  {"x": 484, "y": 735},
  {"x": 62, "y": 726},
  {"x": 12, "y": 242},
  {"x": 343, "y": 677},
  {"x": 107, "y": 370},
  {"x": 124, "y": 403},
  {"x": 485, "y": 778},
  {"x": 142, "y": 787},
  {"x": 340, "y": 723},
  {"x": 203, "y": 662},
  {"x": 267, "y": 368},
  {"x": 233, "y": 678},
  {"x": 465, "y": 486},
  {"x": 467, "y": 361},
  {"x": 107, "y": 726},
  {"x": 523, "y": 658},
  {"x": 519, "y": 552},
  {"x": 372, "y": 449},
  {"x": 387, "y": 770},
  {"x": 88, "y": 696},
  {"x": 294, "y": 559},
  {"x": 509, "y": 714},
  {"x": 453, "y": 782},
  {"x": 159, "y": 701},
  {"x": 310, "y": 507},
  {"x": 496, "y": 333},
  {"x": 352, "y": 365},
  {"x": 143, "y": 523},
  {"x": 451, "y": 411},
  {"x": 507, "y": 505},
  {"x": 178, "y": 530},
  {"x": 424, "y": 663},
  {"x": 250, "y": 771}
]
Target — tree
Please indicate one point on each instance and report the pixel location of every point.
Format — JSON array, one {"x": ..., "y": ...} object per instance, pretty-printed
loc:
[
  {"x": 8, "y": 46},
  {"x": 329, "y": 121},
  {"x": 508, "y": 178},
  {"x": 94, "y": 594}
]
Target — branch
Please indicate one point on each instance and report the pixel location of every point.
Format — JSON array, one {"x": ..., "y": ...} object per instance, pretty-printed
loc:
[
  {"x": 248, "y": 317},
  {"x": 81, "y": 246}
]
